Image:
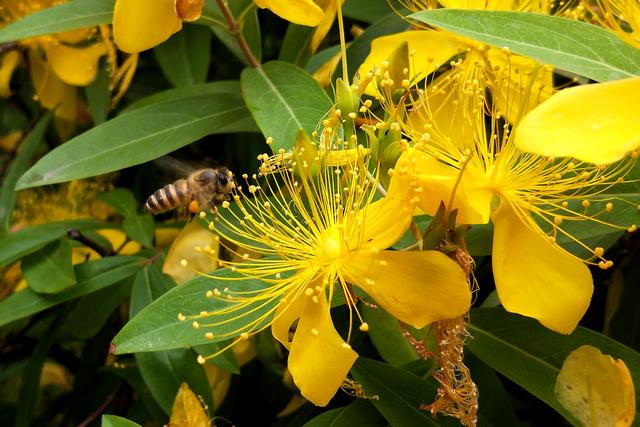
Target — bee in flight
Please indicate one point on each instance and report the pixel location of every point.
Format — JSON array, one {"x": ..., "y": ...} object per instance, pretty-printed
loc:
[{"x": 201, "y": 189}]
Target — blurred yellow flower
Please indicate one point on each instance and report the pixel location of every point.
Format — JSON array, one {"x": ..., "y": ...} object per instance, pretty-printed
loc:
[
  {"x": 475, "y": 166},
  {"x": 318, "y": 236},
  {"x": 194, "y": 249},
  {"x": 621, "y": 16},
  {"x": 60, "y": 63}
]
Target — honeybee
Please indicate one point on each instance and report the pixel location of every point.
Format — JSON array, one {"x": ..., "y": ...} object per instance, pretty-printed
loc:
[{"x": 202, "y": 188}]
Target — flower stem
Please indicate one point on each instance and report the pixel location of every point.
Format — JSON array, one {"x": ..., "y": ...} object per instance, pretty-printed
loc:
[
  {"x": 79, "y": 237},
  {"x": 234, "y": 28}
]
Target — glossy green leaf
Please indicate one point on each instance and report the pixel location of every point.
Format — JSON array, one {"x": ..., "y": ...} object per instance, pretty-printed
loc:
[
  {"x": 359, "y": 413},
  {"x": 398, "y": 393},
  {"x": 62, "y": 17},
  {"x": 157, "y": 326},
  {"x": 568, "y": 44},
  {"x": 14, "y": 246},
  {"x": 139, "y": 228},
  {"x": 92, "y": 276},
  {"x": 149, "y": 285},
  {"x": 531, "y": 356},
  {"x": 18, "y": 166},
  {"x": 164, "y": 371},
  {"x": 99, "y": 94},
  {"x": 49, "y": 270},
  {"x": 116, "y": 421},
  {"x": 122, "y": 200},
  {"x": 386, "y": 335},
  {"x": 283, "y": 99},
  {"x": 139, "y": 136},
  {"x": 184, "y": 58}
]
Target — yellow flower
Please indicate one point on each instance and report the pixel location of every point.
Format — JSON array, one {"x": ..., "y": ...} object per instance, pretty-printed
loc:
[
  {"x": 429, "y": 49},
  {"x": 59, "y": 63},
  {"x": 142, "y": 24},
  {"x": 477, "y": 168},
  {"x": 318, "y": 237}
]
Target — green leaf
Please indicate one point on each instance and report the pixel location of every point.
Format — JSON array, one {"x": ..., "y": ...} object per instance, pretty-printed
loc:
[
  {"x": 386, "y": 335},
  {"x": 122, "y": 200},
  {"x": 30, "y": 381},
  {"x": 359, "y": 413},
  {"x": 140, "y": 228},
  {"x": 18, "y": 167},
  {"x": 184, "y": 58},
  {"x": 139, "y": 136},
  {"x": 98, "y": 94},
  {"x": 149, "y": 285},
  {"x": 295, "y": 46},
  {"x": 63, "y": 17},
  {"x": 92, "y": 276},
  {"x": 283, "y": 99},
  {"x": 571, "y": 45},
  {"x": 531, "y": 356},
  {"x": 157, "y": 326},
  {"x": 14, "y": 246},
  {"x": 49, "y": 270},
  {"x": 116, "y": 421},
  {"x": 164, "y": 371},
  {"x": 370, "y": 11},
  {"x": 397, "y": 394},
  {"x": 90, "y": 313}
]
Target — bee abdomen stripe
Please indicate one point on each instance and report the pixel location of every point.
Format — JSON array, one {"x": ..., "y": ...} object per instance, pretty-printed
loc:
[
  {"x": 181, "y": 189},
  {"x": 161, "y": 199},
  {"x": 151, "y": 205},
  {"x": 170, "y": 194}
]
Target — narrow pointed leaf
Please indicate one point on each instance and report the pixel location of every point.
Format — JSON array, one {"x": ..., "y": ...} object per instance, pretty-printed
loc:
[
  {"x": 49, "y": 270},
  {"x": 568, "y": 44},
  {"x": 139, "y": 136},
  {"x": 116, "y": 421}
]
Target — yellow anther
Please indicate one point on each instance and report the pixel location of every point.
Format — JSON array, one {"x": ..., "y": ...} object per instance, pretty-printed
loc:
[
  {"x": 208, "y": 336},
  {"x": 585, "y": 204},
  {"x": 182, "y": 317},
  {"x": 244, "y": 336},
  {"x": 364, "y": 327},
  {"x": 225, "y": 204},
  {"x": 209, "y": 294},
  {"x": 632, "y": 228},
  {"x": 557, "y": 220},
  {"x": 609, "y": 207},
  {"x": 345, "y": 345},
  {"x": 184, "y": 262},
  {"x": 308, "y": 292},
  {"x": 202, "y": 215},
  {"x": 269, "y": 141},
  {"x": 216, "y": 292},
  {"x": 201, "y": 360},
  {"x": 315, "y": 332},
  {"x": 195, "y": 325}
]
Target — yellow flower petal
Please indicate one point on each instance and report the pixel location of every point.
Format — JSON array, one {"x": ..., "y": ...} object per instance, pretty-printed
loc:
[
  {"x": 385, "y": 220},
  {"x": 536, "y": 278},
  {"x": 188, "y": 10},
  {"x": 428, "y": 50},
  {"x": 330, "y": 9},
  {"x": 596, "y": 123},
  {"x": 324, "y": 72},
  {"x": 436, "y": 181},
  {"x": 75, "y": 66},
  {"x": 301, "y": 12},
  {"x": 8, "y": 63},
  {"x": 418, "y": 288},
  {"x": 52, "y": 93},
  {"x": 187, "y": 410},
  {"x": 286, "y": 315},
  {"x": 596, "y": 389},
  {"x": 142, "y": 24},
  {"x": 319, "y": 359},
  {"x": 519, "y": 71},
  {"x": 205, "y": 260}
]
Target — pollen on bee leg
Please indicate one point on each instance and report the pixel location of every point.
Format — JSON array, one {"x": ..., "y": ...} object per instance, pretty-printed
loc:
[{"x": 193, "y": 207}]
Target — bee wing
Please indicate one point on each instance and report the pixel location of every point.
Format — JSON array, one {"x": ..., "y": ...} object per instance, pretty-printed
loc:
[{"x": 174, "y": 167}]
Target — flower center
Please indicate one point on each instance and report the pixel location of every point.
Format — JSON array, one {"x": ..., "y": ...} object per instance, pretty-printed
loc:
[{"x": 330, "y": 247}]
